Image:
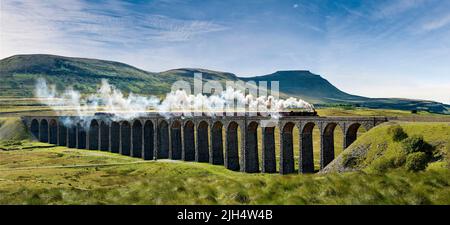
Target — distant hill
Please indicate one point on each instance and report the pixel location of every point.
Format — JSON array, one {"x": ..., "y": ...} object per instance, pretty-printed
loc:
[
  {"x": 308, "y": 86},
  {"x": 18, "y": 74}
]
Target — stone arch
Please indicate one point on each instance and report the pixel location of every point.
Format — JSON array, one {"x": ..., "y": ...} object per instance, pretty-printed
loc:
[
  {"x": 232, "y": 147},
  {"x": 351, "y": 134},
  {"x": 34, "y": 127},
  {"x": 188, "y": 153},
  {"x": 115, "y": 137},
  {"x": 269, "y": 163},
  {"x": 94, "y": 135},
  {"x": 251, "y": 160},
  {"x": 104, "y": 136},
  {"x": 125, "y": 138},
  {"x": 43, "y": 131},
  {"x": 53, "y": 132},
  {"x": 163, "y": 140},
  {"x": 287, "y": 162},
  {"x": 202, "y": 153},
  {"x": 368, "y": 125},
  {"x": 72, "y": 136},
  {"x": 81, "y": 136},
  {"x": 175, "y": 137},
  {"x": 137, "y": 139},
  {"x": 327, "y": 144},
  {"x": 62, "y": 134},
  {"x": 306, "y": 162},
  {"x": 216, "y": 155},
  {"x": 148, "y": 140}
]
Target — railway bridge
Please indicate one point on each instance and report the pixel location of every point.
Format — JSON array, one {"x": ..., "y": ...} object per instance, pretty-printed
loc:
[{"x": 231, "y": 141}]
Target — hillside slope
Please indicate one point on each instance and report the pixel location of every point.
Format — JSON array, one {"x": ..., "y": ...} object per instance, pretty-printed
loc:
[
  {"x": 19, "y": 72},
  {"x": 309, "y": 86},
  {"x": 376, "y": 151}
]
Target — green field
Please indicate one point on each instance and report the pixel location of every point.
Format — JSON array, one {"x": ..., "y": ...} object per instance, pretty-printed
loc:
[
  {"x": 37, "y": 173},
  {"x": 59, "y": 175}
]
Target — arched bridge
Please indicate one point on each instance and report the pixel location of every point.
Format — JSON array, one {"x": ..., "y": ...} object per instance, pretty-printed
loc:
[{"x": 229, "y": 141}]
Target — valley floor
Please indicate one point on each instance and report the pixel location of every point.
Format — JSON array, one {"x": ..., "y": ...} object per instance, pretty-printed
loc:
[
  {"x": 42, "y": 174},
  {"x": 38, "y": 173}
]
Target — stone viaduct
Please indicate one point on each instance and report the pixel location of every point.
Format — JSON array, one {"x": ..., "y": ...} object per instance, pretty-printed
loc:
[{"x": 205, "y": 139}]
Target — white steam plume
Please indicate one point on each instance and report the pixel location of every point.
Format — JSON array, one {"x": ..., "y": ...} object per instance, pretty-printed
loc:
[{"x": 108, "y": 99}]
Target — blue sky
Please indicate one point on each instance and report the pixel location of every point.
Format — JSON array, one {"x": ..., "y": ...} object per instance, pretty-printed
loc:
[{"x": 374, "y": 48}]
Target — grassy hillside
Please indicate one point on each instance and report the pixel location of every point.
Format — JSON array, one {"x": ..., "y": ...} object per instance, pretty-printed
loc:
[
  {"x": 57, "y": 175},
  {"x": 18, "y": 74},
  {"x": 116, "y": 179},
  {"x": 12, "y": 129},
  {"x": 377, "y": 150}
]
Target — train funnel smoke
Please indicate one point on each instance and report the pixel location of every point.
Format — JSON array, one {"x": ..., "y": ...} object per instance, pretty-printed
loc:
[{"x": 111, "y": 100}]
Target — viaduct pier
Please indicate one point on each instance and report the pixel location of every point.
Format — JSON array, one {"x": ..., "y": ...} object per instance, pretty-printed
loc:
[{"x": 231, "y": 141}]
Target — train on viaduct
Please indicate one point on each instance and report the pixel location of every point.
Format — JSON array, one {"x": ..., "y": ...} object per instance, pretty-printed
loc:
[{"x": 231, "y": 141}]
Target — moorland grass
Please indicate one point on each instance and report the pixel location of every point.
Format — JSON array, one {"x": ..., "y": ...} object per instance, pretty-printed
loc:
[
  {"x": 59, "y": 175},
  {"x": 170, "y": 182}
]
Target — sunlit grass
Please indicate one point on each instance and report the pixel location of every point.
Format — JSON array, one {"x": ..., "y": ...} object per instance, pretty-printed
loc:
[
  {"x": 177, "y": 182},
  {"x": 39, "y": 173},
  {"x": 336, "y": 111}
]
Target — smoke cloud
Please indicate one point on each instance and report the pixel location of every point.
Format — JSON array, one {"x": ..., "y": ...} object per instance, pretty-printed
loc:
[{"x": 110, "y": 100}]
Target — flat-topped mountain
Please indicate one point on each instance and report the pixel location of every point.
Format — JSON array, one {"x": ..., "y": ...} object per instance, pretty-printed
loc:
[
  {"x": 308, "y": 86},
  {"x": 18, "y": 74}
]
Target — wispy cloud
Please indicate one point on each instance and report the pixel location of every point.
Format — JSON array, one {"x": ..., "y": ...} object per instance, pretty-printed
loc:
[
  {"x": 42, "y": 23},
  {"x": 170, "y": 29},
  {"x": 395, "y": 8},
  {"x": 351, "y": 11},
  {"x": 340, "y": 39},
  {"x": 437, "y": 23}
]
